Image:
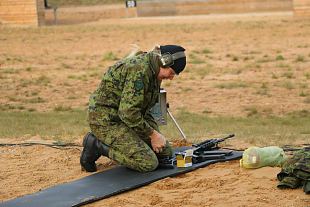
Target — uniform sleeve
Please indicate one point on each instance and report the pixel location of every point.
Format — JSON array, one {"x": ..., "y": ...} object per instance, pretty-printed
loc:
[
  {"x": 151, "y": 120},
  {"x": 131, "y": 103}
]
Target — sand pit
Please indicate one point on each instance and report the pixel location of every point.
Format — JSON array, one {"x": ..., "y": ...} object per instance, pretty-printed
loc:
[{"x": 29, "y": 169}]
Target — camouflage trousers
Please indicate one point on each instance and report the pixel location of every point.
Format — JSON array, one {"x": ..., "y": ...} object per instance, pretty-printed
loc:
[{"x": 129, "y": 149}]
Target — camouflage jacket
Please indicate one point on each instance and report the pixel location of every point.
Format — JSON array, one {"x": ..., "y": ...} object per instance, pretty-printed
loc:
[
  {"x": 127, "y": 92},
  {"x": 296, "y": 171},
  {"x": 298, "y": 165}
]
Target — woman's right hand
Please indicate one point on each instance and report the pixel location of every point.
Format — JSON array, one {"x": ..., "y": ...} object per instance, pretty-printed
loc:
[{"x": 158, "y": 141}]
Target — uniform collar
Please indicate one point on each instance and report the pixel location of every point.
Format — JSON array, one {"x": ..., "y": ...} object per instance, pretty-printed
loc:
[{"x": 154, "y": 65}]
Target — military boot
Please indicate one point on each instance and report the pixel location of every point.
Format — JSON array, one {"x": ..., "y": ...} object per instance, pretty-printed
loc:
[{"x": 93, "y": 149}]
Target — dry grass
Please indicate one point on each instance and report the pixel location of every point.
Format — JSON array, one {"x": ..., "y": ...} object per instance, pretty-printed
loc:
[
  {"x": 237, "y": 66},
  {"x": 227, "y": 59}
]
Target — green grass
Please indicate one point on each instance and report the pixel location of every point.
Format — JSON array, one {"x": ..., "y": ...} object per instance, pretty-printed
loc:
[
  {"x": 251, "y": 111},
  {"x": 300, "y": 58},
  {"x": 29, "y": 69},
  {"x": 303, "y": 85},
  {"x": 186, "y": 89},
  {"x": 13, "y": 98},
  {"x": 59, "y": 125},
  {"x": 202, "y": 70},
  {"x": 109, "y": 56},
  {"x": 35, "y": 100},
  {"x": 72, "y": 77},
  {"x": 254, "y": 130},
  {"x": 14, "y": 59},
  {"x": 76, "y": 77},
  {"x": 62, "y": 108},
  {"x": 34, "y": 93},
  {"x": 206, "y": 51},
  {"x": 302, "y": 94},
  {"x": 42, "y": 80},
  {"x": 94, "y": 74},
  {"x": 10, "y": 71},
  {"x": 194, "y": 59},
  {"x": 264, "y": 59},
  {"x": 307, "y": 100},
  {"x": 231, "y": 85},
  {"x": 283, "y": 65},
  {"x": 235, "y": 58},
  {"x": 288, "y": 85},
  {"x": 263, "y": 90},
  {"x": 288, "y": 75},
  {"x": 280, "y": 57},
  {"x": 25, "y": 82},
  {"x": 274, "y": 76},
  {"x": 65, "y": 66}
]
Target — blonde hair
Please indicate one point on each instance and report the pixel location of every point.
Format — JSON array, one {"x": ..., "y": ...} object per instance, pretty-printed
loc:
[
  {"x": 156, "y": 50},
  {"x": 135, "y": 50}
]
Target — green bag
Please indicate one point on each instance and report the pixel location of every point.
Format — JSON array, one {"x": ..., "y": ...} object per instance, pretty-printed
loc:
[{"x": 255, "y": 157}]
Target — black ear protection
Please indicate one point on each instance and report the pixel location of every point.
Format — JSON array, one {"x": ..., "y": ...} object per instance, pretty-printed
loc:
[{"x": 167, "y": 59}]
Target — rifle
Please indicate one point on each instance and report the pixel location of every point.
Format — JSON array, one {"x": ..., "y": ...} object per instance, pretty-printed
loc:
[
  {"x": 210, "y": 144},
  {"x": 167, "y": 162},
  {"x": 206, "y": 150}
]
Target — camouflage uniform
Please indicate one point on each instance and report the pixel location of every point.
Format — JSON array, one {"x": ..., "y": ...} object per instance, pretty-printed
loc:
[
  {"x": 119, "y": 111},
  {"x": 296, "y": 171}
]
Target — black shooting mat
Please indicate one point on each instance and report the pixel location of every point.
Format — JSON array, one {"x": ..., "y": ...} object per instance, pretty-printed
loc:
[{"x": 102, "y": 185}]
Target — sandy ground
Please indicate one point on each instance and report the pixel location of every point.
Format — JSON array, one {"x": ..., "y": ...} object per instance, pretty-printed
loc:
[
  {"x": 49, "y": 67},
  {"x": 27, "y": 170}
]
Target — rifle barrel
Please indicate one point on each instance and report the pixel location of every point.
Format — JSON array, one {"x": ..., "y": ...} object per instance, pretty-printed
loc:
[
  {"x": 210, "y": 140},
  {"x": 227, "y": 137}
]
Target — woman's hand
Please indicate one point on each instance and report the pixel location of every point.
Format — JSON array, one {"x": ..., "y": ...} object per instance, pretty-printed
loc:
[{"x": 158, "y": 141}]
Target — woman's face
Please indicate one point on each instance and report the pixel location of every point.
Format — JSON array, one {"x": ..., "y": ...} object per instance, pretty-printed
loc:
[{"x": 165, "y": 73}]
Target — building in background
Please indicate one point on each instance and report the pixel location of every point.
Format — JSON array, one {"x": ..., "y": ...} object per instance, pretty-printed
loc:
[{"x": 22, "y": 12}]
